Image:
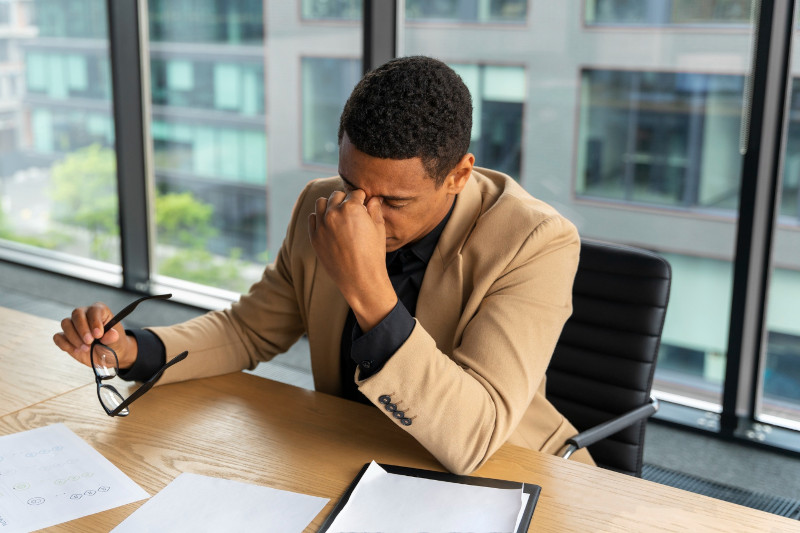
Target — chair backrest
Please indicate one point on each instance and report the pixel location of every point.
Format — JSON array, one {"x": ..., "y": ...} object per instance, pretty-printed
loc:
[{"x": 604, "y": 361}]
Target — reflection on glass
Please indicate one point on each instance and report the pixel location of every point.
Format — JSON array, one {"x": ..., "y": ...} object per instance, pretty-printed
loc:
[
  {"x": 57, "y": 164},
  {"x": 209, "y": 140},
  {"x": 660, "y": 138},
  {"x": 668, "y": 12}
]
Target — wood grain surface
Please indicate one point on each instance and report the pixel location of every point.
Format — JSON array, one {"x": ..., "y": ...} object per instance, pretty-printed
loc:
[{"x": 32, "y": 368}]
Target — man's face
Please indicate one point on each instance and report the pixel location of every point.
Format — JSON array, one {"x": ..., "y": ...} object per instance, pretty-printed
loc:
[{"x": 412, "y": 204}]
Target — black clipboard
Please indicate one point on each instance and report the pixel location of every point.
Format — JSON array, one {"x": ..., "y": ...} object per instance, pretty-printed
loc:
[{"x": 533, "y": 491}]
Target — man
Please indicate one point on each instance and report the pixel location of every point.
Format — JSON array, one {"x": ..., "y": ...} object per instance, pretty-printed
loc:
[{"x": 430, "y": 289}]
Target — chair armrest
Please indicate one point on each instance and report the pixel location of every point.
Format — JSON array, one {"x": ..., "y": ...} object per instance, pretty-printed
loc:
[{"x": 606, "y": 429}]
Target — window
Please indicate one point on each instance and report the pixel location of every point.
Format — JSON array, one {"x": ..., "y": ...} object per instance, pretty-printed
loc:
[
  {"x": 327, "y": 83},
  {"x": 224, "y": 187},
  {"x": 467, "y": 10},
  {"x": 613, "y": 130},
  {"x": 331, "y": 9},
  {"x": 77, "y": 19},
  {"x": 209, "y": 140},
  {"x": 790, "y": 195},
  {"x": 69, "y": 75},
  {"x": 778, "y": 396},
  {"x": 223, "y": 86},
  {"x": 59, "y": 152},
  {"x": 232, "y": 22},
  {"x": 498, "y": 95},
  {"x": 447, "y": 11},
  {"x": 660, "y": 138},
  {"x": 5, "y": 14},
  {"x": 668, "y": 12}
]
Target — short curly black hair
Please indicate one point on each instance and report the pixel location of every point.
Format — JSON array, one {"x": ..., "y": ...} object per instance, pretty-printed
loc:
[{"x": 411, "y": 107}]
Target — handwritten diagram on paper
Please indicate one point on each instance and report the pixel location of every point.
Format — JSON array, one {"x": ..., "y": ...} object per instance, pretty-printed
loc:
[{"x": 50, "y": 475}]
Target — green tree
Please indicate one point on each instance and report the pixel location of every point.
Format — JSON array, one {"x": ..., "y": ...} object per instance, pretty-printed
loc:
[
  {"x": 184, "y": 221},
  {"x": 85, "y": 195}
]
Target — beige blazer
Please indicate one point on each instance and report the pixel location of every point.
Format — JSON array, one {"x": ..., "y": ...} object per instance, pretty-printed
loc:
[{"x": 494, "y": 298}]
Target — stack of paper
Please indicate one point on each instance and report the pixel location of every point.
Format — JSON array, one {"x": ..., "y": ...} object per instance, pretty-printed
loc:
[{"x": 393, "y": 503}]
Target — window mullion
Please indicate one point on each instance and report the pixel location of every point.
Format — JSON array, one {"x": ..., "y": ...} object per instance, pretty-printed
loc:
[
  {"x": 126, "y": 76},
  {"x": 380, "y": 33},
  {"x": 761, "y": 169}
]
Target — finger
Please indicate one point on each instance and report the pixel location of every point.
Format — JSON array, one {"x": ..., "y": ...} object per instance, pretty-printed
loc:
[
  {"x": 312, "y": 224},
  {"x": 320, "y": 206},
  {"x": 64, "y": 344},
  {"x": 70, "y": 337},
  {"x": 110, "y": 337},
  {"x": 337, "y": 197},
  {"x": 81, "y": 325},
  {"x": 97, "y": 315},
  {"x": 357, "y": 195},
  {"x": 374, "y": 209}
]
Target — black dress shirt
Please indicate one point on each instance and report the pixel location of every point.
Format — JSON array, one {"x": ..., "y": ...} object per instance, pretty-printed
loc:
[{"x": 406, "y": 267}]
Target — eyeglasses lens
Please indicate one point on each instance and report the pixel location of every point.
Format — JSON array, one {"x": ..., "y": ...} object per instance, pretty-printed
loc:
[
  {"x": 105, "y": 361},
  {"x": 111, "y": 399}
]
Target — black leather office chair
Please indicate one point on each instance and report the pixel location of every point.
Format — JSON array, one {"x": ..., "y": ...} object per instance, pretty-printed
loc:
[{"x": 601, "y": 373}]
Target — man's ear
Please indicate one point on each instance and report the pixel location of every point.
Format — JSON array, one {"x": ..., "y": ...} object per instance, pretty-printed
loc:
[{"x": 458, "y": 177}]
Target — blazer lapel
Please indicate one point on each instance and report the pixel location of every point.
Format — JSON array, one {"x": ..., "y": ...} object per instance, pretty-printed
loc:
[{"x": 441, "y": 297}]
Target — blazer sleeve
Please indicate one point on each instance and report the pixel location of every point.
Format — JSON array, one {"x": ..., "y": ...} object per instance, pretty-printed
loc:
[
  {"x": 463, "y": 407},
  {"x": 263, "y": 323}
]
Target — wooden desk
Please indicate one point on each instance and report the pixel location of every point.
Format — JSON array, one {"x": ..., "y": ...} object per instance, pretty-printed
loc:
[
  {"x": 32, "y": 369},
  {"x": 249, "y": 429}
]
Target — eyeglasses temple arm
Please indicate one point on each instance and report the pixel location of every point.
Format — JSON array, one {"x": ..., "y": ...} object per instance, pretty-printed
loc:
[
  {"x": 130, "y": 307},
  {"x": 147, "y": 385}
]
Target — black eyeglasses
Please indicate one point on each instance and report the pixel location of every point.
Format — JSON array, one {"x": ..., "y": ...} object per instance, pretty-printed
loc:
[{"x": 106, "y": 366}]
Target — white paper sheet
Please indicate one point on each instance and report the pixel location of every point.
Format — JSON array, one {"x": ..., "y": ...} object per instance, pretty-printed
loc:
[
  {"x": 50, "y": 475},
  {"x": 194, "y": 503},
  {"x": 392, "y": 503}
]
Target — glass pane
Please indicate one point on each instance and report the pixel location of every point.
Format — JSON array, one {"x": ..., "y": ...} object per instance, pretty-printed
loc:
[
  {"x": 780, "y": 377},
  {"x": 209, "y": 140},
  {"x": 331, "y": 9},
  {"x": 632, "y": 135},
  {"x": 466, "y": 10},
  {"x": 447, "y": 11},
  {"x": 58, "y": 187},
  {"x": 668, "y": 12},
  {"x": 680, "y": 134},
  {"x": 220, "y": 80},
  {"x": 327, "y": 83}
]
